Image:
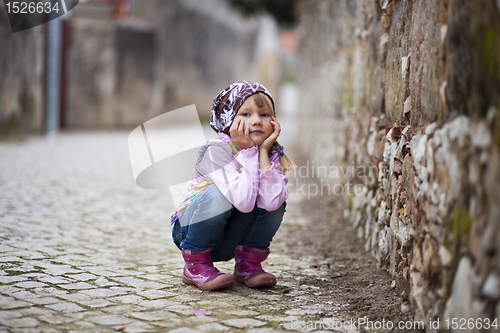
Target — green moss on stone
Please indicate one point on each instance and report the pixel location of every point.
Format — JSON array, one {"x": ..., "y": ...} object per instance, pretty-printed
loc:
[
  {"x": 347, "y": 98},
  {"x": 458, "y": 230},
  {"x": 489, "y": 60}
]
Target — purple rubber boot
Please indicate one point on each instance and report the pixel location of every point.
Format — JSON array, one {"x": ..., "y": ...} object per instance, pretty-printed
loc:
[
  {"x": 200, "y": 271},
  {"x": 248, "y": 270}
]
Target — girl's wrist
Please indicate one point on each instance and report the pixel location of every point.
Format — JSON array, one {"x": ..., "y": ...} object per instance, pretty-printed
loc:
[
  {"x": 264, "y": 162},
  {"x": 242, "y": 145}
]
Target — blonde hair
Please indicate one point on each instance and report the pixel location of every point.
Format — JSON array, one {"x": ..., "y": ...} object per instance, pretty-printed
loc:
[{"x": 261, "y": 100}]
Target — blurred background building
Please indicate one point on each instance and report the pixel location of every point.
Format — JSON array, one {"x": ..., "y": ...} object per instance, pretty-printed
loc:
[{"x": 126, "y": 61}]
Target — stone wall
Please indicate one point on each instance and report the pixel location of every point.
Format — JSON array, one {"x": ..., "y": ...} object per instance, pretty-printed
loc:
[
  {"x": 406, "y": 95},
  {"x": 20, "y": 79}
]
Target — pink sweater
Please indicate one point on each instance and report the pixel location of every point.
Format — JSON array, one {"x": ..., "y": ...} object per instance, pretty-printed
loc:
[
  {"x": 238, "y": 177},
  {"x": 242, "y": 182}
]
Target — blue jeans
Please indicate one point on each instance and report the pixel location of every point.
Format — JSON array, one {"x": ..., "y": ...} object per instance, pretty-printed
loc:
[{"x": 223, "y": 232}]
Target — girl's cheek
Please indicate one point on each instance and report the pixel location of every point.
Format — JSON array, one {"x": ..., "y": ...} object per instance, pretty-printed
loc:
[{"x": 242, "y": 120}]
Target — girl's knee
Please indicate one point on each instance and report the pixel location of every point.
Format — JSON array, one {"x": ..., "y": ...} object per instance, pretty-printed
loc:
[
  {"x": 282, "y": 208},
  {"x": 215, "y": 201},
  {"x": 278, "y": 213},
  {"x": 276, "y": 216},
  {"x": 208, "y": 205},
  {"x": 213, "y": 194}
]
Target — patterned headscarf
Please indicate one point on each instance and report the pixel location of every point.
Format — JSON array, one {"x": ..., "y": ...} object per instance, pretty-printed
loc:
[{"x": 228, "y": 102}]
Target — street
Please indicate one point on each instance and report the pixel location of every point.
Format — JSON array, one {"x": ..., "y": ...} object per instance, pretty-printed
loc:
[{"x": 83, "y": 249}]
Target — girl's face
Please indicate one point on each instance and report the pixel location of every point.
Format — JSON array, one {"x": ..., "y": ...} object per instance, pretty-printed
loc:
[{"x": 258, "y": 119}]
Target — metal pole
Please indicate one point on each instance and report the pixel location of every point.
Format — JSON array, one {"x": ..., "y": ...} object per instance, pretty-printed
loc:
[{"x": 53, "y": 75}]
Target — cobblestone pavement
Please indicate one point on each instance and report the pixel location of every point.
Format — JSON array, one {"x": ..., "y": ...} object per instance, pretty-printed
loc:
[{"x": 83, "y": 249}]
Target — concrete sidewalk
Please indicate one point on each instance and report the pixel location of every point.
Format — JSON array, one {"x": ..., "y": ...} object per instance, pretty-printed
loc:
[{"x": 83, "y": 249}]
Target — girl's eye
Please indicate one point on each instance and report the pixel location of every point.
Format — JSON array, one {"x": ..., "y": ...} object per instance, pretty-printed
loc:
[
  {"x": 264, "y": 115},
  {"x": 246, "y": 114}
]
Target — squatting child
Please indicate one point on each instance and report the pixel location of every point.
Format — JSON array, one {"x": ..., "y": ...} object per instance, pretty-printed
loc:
[{"x": 235, "y": 200}]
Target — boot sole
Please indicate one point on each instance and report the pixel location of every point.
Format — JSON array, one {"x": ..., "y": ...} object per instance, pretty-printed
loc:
[
  {"x": 257, "y": 282},
  {"x": 215, "y": 284}
]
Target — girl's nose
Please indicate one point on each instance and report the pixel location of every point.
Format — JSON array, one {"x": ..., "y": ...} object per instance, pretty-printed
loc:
[{"x": 256, "y": 120}]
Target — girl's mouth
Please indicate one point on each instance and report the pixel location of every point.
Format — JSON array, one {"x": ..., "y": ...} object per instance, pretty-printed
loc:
[{"x": 258, "y": 132}]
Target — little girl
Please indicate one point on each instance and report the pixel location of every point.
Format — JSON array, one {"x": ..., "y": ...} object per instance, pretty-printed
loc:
[{"x": 235, "y": 200}]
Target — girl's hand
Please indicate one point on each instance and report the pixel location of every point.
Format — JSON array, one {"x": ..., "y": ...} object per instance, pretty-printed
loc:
[
  {"x": 240, "y": 134},
  {"x": 268, "y": 143}
]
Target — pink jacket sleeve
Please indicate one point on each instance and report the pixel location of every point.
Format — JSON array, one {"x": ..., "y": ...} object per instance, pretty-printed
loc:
[
  {"x": 236, "y": 177},
  {"x": 272, "y": 186}
]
